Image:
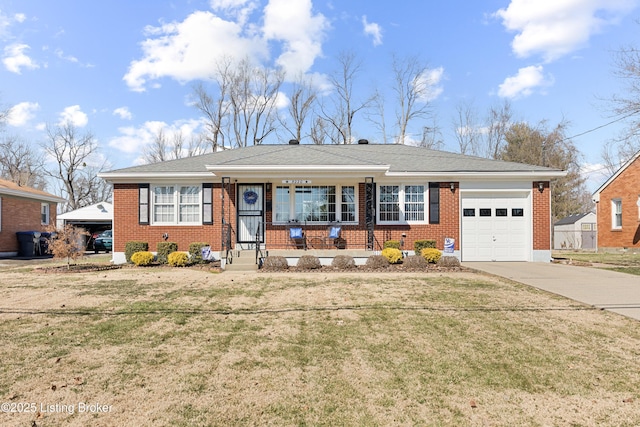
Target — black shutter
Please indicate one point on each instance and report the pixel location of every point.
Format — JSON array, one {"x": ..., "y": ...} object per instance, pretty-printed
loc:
[
  {"x": 434, "y": 203},
  {"x": 143, "y": 204},
  {"x": 207, "y": 203}
]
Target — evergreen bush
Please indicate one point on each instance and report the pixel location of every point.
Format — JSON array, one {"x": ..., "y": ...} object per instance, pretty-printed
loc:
[
  {"x": 431, "y": 255},
  {"x": 142, "y": 258},
  {"x": 164, "y": 249},
  {"x": 419, "y": 245},
  {"x": 393, "y": 255},
  {"x": 132, "y": 247},
  {"x": 178, "y": 259}
]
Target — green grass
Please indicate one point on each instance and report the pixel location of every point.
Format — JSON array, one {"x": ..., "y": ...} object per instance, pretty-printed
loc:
[
  {"x": 619, "y": 259},
  {"x": 323, "y": 350}
]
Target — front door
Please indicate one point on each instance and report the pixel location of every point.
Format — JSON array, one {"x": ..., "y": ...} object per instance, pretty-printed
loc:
[{"x": 250, "y": 213}]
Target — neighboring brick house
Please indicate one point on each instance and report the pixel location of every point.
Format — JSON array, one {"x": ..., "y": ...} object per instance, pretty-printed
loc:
[
  {"x": 618, "y": 208},
  {"x": 493, "y": 210},
  {"x": 23, "y": 209}
]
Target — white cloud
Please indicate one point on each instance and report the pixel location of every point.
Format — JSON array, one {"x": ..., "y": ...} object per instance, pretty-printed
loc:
[
  {"x": 20, "y": 17},
  {"x": 556, "y": 28},
  {"x": 432, "y": 80},
  {"x": 20, "y": 114},
  {"x": 73, "y": 115},
  {"x": 300, "y": 31},
  {"x": 123, "y": 113},
  {"x": 15, "y": 58},
  {"x": 238, "y": 10},
  {"x": 372, "y": 29},
  {"x": 524, "y": 83},
  {"x": 189, "y": 49},
  {"x": 133, "y": 139}
]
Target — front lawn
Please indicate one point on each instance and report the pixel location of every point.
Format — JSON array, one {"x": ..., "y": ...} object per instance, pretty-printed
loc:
[{"x": 182, "y": 347}]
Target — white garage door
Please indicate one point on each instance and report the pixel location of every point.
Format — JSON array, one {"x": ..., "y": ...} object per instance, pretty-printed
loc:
[{"x": 496, "y": 227}]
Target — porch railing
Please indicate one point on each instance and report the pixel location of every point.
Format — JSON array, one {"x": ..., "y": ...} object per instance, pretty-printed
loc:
[{"x": 316, "y": 236}]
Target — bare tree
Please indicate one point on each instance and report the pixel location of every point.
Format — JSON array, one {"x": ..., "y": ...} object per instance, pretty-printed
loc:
[
  {"x": 432, "y": 137},
  {"x": 377, "y": 118},
  {"x": 252, "y": 101},
  {"x": 302, "y": 98},
  {"x": 497, "y": 123},
  {"x": 157, "y": 150},
  {"x": 345, "y": 107},
  {"x": 467, "y": 129},
  {"x": 413, "y": 88},
  {"x": 216, "y": 108},
  {"x": 21, "y": 164},
  {"x": 70, "y": 153},
  {"x": 319, "y": 131}
]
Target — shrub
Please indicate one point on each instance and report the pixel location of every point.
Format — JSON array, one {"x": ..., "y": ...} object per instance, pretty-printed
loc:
[
  {"x": 415, "y": 261},
  {"x": 275, "y": 263},
  {"x": 449, "y": 261},
  {"x": 431, "y": 255},
  {"x": 309, "y": 262},
  {"x": 343, "y": 262},
  {"x": 393, "y": 255},
  {"x": 377, "y": 261},
  {"x": 164, "y": 249},
  {"x": 67, "y": 242},
  {"x": 391, "y": 244},
  {"x": 132, "y": 247},
  {"x": 419, "y": 245},
  {"x": 142, "y": 258},
  {"x": 195, "y": 250},
  {"x": 178, "y": 259}
]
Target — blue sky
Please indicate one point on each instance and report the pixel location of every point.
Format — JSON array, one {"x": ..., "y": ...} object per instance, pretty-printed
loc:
[{"x": 122, "y": 69}]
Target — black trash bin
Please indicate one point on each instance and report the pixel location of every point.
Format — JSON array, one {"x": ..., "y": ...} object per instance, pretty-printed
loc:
[
  {"x": 44, "y": 242},
  {"x": 29, "y": 242}
]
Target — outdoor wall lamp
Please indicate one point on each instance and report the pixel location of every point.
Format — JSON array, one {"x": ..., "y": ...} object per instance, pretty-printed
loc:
[
  {"x": 452, "y": 186},
  {"x": 540, "y": 186}
]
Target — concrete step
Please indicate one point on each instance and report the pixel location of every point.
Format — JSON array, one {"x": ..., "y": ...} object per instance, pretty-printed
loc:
[{"x": 242, "y": 261}]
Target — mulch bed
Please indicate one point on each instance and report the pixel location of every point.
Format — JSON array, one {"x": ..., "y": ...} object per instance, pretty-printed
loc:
[{"x": 78, "y": 268}]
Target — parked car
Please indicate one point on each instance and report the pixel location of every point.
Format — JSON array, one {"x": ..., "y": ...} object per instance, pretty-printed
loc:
[{"x": 104, "y": 242}]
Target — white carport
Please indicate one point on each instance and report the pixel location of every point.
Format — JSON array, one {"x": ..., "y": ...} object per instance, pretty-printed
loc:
[{"x": 93, "y": 218}]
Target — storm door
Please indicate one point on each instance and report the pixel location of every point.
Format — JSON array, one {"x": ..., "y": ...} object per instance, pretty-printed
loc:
[{"x": 250, "y": 213}]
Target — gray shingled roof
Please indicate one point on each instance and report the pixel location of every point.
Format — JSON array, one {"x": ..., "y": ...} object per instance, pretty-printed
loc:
[{"x": 400, "y": 158}]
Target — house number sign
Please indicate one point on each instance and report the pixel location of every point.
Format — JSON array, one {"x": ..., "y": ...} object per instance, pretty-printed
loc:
[{"x": 296, "y": 181}]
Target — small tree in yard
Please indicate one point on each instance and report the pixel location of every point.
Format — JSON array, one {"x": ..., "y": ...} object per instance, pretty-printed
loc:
[{"x": 67, "y": 242}]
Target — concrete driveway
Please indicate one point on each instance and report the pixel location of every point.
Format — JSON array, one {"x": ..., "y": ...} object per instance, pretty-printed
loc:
[{"x": 610, "y": 290}]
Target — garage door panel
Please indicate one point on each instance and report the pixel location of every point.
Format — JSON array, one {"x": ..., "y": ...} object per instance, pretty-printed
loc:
[{"x": 495, "y": 227}]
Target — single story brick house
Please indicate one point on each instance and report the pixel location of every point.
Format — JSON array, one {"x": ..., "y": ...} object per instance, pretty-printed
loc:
[
  {"x": 286, "y": 196},
  {"x": 618, "y": 208},
  {"x": 23, "y": 209}
]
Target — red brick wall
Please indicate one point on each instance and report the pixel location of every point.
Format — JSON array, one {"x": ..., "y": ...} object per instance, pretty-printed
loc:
[
  {"x": 541, "y": 217},
  {"x": 625, "y": 187},
  {"x": 20, "y": 214},
  {"x": 126, "y": 227},
  {"x": 449, "y": 223}
]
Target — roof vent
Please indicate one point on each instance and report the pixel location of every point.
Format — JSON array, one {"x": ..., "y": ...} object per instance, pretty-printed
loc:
[
  {"x": 294, "y": 142},
  {"x": 363, "y": 141}
]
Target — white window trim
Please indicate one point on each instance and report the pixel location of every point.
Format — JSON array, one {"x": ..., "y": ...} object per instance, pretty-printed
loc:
[
  {"x": 176, "y": 204},
  {"x": 338, "y": 193},
  {"x": 614, "y": 213},
  {"x": 401, "y": 198},
  {"x": 47, "y": 212}
]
